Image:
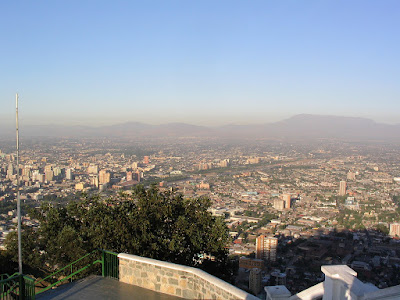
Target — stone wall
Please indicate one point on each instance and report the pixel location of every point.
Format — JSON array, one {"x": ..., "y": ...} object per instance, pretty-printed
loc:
[{"x": 177, "y": 280}]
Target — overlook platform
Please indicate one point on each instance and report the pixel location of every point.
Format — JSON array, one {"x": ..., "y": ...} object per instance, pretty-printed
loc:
[
  {"x": 124, "y": 276},
  {"x": 99, "y": 288}
]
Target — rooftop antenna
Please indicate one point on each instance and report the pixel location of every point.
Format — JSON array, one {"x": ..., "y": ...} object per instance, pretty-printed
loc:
[{"x": 18, "y": 199}]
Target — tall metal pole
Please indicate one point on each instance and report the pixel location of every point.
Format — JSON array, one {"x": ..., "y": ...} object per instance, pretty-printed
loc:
[{"x": 18, "y": 199}]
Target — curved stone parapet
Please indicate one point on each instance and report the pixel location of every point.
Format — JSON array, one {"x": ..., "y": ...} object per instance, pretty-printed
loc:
[{"x": 174, "y": 279}]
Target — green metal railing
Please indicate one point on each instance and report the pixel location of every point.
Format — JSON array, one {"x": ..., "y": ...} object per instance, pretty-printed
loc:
[
  {"x": 67, "y": 269},
  {"x": 19, "y": 286},
  {"x": 110, "y": 265}
]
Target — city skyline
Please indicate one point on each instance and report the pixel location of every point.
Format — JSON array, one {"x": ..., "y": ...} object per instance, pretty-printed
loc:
[
  {"x": 201, "y": 63},
  {"x": 281, "y": 201}
]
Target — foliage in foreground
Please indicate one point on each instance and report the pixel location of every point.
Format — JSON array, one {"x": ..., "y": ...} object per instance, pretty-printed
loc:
[{"x": 150, "y": 223}]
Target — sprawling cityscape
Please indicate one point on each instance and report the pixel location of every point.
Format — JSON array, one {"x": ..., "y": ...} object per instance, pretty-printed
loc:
[
  {"x": 290, "y": 207},
  {"x": 179, "y": 149}
]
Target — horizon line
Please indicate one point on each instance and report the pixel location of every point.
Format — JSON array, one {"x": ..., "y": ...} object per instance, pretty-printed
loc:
[{"x": 82, "y": 123}]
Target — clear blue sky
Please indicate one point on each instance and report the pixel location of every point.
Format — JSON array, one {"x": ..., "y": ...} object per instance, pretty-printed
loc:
[{"x": 201, "y": 62}]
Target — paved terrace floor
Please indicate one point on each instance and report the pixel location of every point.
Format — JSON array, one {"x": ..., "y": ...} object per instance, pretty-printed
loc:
[{"x": 99, "y": 288}]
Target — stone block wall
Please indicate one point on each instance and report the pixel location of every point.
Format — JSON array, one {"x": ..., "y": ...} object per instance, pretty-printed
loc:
[{"x": 177, "y": 280}]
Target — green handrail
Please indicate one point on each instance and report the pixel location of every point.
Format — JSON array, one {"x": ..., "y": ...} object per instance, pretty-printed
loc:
[
  {"x": 69, "y": 276},
  {"x": 17, "y": 286},
  {"x": 9, "y": 285},
  {"x": 26, "y": 285},
  {"x": 109, "y": 262},
  {"x": 7, "y": 276},
  {"x": 51, "y": 275}
]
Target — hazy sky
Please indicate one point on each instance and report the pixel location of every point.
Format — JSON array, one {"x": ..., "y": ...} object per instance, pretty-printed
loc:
[{"x": 201, "y": 62}]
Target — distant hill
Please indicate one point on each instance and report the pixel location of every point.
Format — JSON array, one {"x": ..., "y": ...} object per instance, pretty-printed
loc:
[
  {"x": 297, "y": 127},
  {"x": 318, "y": 126}
]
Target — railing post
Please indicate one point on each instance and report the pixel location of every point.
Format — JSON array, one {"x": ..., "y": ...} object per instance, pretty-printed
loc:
[
  {"x": 29, "y": 288},
  {"x": 102, "y": 263},
  {"x": 21, "y": 287},
  {"x": 71, "y": 273}
]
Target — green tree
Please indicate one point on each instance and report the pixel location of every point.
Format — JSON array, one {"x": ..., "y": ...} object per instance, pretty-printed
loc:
[
  {"x": 32, "y": 258},
  {"x": 7, "y": 265},
  {"x": 150, "y": 223},
  {"x": 382, "y": 228}
]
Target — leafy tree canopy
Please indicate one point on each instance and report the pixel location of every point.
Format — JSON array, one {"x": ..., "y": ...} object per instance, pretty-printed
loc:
[{"x": 150, "y": 223}]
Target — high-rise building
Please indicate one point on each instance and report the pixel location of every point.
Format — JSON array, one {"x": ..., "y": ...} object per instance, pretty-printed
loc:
[
  {"x": 57, "y": 171},
  {"x": 49, "y": 175},
  {"x": 224, "y": 163},
  {"x": 26, "y": 171},
  {"x": 129, "y": 176},
  {"x": 255, "y": 281},
  {"x": 94, "y": 180},
  {"x": 35, "y": 175},
  {"x": 69, "y": 175},
  {"x": 266, "y": 247},
  {"x": 104, "y": 177},
  {"x": 138, "y": 175},
  {"x": 26, "y": 174},
  {"x": 279, "y": 204},
  {"x": 394, "y": 229},
  {"x": 48, "y": 168},
  {"x": 342, "y": 188},
  {"x": 93, "y": 169},
  {"x": 10, "y": 171},
  {"x": 41, "y": 178},
  {"x": 286, "y": 198},
  {"x": 146, "y": 159}
]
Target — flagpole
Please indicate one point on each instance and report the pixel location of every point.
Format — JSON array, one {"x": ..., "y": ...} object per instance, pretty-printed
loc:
[{"x": 18, "y": 198}]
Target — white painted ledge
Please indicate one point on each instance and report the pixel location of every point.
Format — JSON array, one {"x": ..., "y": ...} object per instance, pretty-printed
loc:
[
  {"x": 390, "y": 293},
  {"x": 311, "y": 293}
]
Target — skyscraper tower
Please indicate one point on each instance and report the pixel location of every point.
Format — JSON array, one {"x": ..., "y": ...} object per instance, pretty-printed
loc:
[
  {"x": 49, "y": 175},
  {"x": 69, "y": 175},
  {"x": 394, "y": 229},
  {"x": 287, "y": 199},
  {"x": 10, "y": 171},
  {"x": 129, "y": 176},
  {"x": 342, "y": 188},
  {"x": 255, "y": 281},
  {"x": 138, "y": 175},
  {"x": 104, "y": 177},
  {"x": 266, "y": 247}
]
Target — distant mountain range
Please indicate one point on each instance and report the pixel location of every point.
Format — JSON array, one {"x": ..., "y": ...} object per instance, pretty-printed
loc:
[{"x": 298, "y": 127}]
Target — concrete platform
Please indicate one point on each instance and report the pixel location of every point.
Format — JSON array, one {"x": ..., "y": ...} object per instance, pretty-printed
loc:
[{"x": 99, "y": 288}]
